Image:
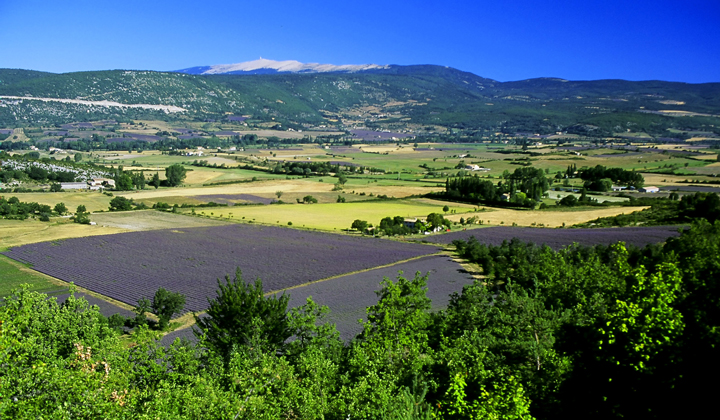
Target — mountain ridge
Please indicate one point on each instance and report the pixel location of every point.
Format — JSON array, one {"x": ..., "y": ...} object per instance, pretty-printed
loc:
[
  {"x": 266, "y": 66},
  {"x": 427, "y": 98}
]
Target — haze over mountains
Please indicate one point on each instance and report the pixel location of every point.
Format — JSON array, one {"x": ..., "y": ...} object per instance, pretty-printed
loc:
[{"x": 417, "y": 99}]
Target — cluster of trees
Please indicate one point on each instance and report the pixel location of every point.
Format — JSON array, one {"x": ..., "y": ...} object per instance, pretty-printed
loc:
[
  {"x": 308, "y": 168},
  {"x": 13, "y": 208},
  {"x": 525, "y": 186},
  {"x": 601, "y": 178},
  {"x": 129, "y": 180},
  {"x": 391, "y": 226},
  {"x": 308, "y": 199},
  {"x": 81, "y": 216},
  {"x": 599, "y": 332},
  {"x": 124, "y": 204},
  {"x": 604, "y": 331}
]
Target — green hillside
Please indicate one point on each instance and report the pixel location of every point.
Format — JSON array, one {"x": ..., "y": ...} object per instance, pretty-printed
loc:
[{"x": 415, "y": 98}]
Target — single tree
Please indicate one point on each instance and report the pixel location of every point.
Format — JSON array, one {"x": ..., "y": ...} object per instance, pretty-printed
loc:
[
  {"x": 60, "y": 208},
  {"x": 78, "y": 157},
  {"x": 155, "y": 182},
  {"x": 278, "y": 194},
  {"x": 175, "y": 174},
  {"x": 241, "y": 316},
  {"x": 55, "y": 187},
  {"x": 166, "y": 304}
]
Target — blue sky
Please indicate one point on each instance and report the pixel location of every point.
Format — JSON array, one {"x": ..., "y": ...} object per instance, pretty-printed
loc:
[{"x": 503, "y": 40}]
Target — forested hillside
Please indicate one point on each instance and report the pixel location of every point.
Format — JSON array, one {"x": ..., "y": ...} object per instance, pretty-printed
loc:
[{"x": 418, "y": 98}]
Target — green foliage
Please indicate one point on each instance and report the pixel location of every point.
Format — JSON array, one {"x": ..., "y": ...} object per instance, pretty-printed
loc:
[
  {"x": 165, "y": 304},
  {"x": 392, "y": 351},
  {"x": 595, "y": 176},
  {"x": 700, "y": 206},
  {"x": 55, "y": 187},
  {"x": 60, "y": 208},
  {"x": 436, "y": 220},
  {"x": 120, "y": 204},
  {"x": 175, "y": 174},
  {"x": 568, "y": 201},
  {"x": 241, "y": 316},
  {"x": 155, "y": 181},
  {"x": 394, "y": 226},
  {"x": 13, "y": 208},
  {"x": 359, "y": 225},
  {"x": 600, "y": 332},
  {"x": 143, "y": 306}
]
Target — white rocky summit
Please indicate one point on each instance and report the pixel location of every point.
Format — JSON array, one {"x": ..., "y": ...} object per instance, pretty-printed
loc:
[{"x": 289, "y": 66}]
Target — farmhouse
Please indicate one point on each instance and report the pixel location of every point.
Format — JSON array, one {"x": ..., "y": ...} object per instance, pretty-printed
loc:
[
  {"x": 617, "y": 188},
  {"x": 98, "y": 183},
  {"x": 410, "y": 223},
  {"x": 649, "y": 189}
]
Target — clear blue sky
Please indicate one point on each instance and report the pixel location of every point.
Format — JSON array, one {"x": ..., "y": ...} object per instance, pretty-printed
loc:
[{"x": 503, "y": 40}]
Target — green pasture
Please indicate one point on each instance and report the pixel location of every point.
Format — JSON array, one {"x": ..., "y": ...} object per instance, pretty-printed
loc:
[
  {"x": 332, "y": 216},
  {"x": 198, "y": 175},
  {"x": 14, "y": 274}
]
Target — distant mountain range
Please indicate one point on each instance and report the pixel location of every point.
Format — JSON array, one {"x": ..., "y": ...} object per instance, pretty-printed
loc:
[
  {"x": 419, "y": 99},
  {"x": 265, "y": 66}
]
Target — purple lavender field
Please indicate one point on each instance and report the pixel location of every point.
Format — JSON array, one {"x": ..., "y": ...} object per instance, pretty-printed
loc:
[
  {"x": 558, "y": 238},
  {"x": 106, "y": 308},
  {"x": 349, "y": 296},
  {"x": 130, "y": 266}
]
